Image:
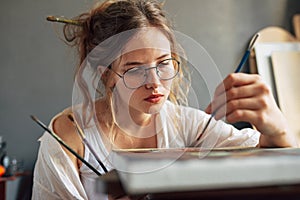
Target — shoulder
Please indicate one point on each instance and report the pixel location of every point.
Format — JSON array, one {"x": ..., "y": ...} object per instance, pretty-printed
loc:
[{"x": 65, "y": 129}]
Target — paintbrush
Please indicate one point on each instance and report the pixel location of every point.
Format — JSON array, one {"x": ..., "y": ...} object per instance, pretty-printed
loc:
[
  {"x": 58, "y": 139},
  {"x": 63, "y": 20},
  {"x": 238, "y": 69},
  {"x": 84, "y": 140}
]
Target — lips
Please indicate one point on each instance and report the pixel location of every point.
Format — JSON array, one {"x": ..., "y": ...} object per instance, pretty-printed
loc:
[{"x": 154, "y": 98}]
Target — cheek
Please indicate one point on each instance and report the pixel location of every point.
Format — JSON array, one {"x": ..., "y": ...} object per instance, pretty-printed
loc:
[
  {"x": 122, "y": 92},
  {"x": 167, "y": 85}
]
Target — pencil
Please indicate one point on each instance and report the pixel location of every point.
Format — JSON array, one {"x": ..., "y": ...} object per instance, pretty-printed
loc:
[{"x": 238, "y": 69}]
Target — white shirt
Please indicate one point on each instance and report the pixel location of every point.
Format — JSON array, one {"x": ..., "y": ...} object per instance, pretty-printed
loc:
[{"x": 55, "y": 176}]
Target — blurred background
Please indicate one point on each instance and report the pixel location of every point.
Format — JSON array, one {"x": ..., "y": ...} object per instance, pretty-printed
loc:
[{"x": 37, "y": 68}]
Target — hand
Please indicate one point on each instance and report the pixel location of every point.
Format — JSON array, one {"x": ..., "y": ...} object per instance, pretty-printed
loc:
[{"x": 245, "y": 97}]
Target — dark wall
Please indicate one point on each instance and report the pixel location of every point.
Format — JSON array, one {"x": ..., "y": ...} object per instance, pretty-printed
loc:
[{"x": 36, "y": 68}]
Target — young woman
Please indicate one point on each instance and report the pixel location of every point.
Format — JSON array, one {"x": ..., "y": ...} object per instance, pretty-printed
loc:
[{"x": 130, "y": 92}]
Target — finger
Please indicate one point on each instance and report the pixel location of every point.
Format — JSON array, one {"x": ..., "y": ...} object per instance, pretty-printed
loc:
[
  {"x": 254, "y": 104},
  {"x": 208, "y": 109},
  {"x": 243, "y": 104},
  {"x": 236, "y": 80},
  {"x": 220, "y": 112},
  {"x": 244, "y": 115},
  {"x": 256, "y": 90}
]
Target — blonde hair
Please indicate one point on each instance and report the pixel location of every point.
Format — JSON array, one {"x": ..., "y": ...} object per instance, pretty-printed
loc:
[{"x": 106, "y": 20}]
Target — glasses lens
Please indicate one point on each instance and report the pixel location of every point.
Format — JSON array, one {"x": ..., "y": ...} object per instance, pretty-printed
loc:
[
  {"x": 167, "y": 69},
  {"x": 135, "y": 77}
]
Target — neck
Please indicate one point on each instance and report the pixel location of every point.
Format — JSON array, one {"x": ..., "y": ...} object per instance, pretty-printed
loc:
[{"x": 136, "y": 123}]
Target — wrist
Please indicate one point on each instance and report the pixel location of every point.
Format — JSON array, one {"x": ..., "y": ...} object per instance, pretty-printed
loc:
[{"x": 283, "y": 138}]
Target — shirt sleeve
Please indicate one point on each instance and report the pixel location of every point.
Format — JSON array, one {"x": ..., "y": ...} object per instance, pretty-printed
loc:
[
  {"x": 218, "y": 134},
  {"x": 55, "y": 177}
]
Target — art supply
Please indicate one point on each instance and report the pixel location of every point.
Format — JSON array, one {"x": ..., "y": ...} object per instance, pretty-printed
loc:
[
  {"x": 63, "y": 20},
  {"x": 238, "y": 69},
  {"x": 58, "y": 139},
  {"x": 84, "y": 140}
]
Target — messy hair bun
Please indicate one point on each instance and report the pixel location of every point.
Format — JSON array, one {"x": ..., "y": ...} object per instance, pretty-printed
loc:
[{"x": 113, "y": 17}]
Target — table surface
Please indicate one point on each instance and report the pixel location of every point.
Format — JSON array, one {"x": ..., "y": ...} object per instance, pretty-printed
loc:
[
  {"x": 115, "y": 183},
  {"x": 3, "y": 181},
  {"x": 113, "y": 186}
]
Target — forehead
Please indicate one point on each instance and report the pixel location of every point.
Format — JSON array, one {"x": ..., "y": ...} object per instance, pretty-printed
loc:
[{"x": 147, "y": 39}]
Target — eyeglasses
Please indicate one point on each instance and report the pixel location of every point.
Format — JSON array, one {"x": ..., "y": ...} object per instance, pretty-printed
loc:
[{"x": 136, "y": 77}]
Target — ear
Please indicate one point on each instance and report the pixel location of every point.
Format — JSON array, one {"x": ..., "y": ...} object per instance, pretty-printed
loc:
[
  {"x": 102, "y": 70},
  {"x": 106, "y": 77}
]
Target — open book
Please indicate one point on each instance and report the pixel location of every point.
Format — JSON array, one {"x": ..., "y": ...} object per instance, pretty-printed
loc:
[{"x": 167, "y": 170}]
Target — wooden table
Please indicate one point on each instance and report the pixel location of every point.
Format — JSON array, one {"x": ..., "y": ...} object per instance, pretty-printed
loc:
[{"x": 3, "y": 181}]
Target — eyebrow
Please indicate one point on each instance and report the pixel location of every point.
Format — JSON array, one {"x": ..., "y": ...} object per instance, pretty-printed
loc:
[{"x": 140, "y": 63}]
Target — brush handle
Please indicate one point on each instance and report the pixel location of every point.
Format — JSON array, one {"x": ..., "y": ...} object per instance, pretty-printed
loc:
[
  {"x": 84, "y": 140},
  {"x": 95, "y": 154},
  {"x": 243, "y": 61},
  {"x": 238, "y": 69}
]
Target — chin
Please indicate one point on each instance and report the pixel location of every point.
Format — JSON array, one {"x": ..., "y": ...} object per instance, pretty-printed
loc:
[{"x": 154, "y": 109}]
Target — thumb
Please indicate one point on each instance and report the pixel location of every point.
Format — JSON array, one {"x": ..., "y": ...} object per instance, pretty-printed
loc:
[{"x": 208, "y": 109}]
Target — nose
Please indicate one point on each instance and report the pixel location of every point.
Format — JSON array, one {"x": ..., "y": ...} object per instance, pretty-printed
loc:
[{"x": 152, "y": 80}]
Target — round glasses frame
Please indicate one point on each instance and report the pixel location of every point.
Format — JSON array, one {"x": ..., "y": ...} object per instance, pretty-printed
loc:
[{"x": 176, "y": 70}]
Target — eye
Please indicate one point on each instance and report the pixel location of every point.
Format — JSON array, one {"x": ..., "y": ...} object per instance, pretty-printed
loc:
[
  {"x": 166, "y": 62},
  {"x": 136, "y": 71},
  {"x": 165, "y": 65}
]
